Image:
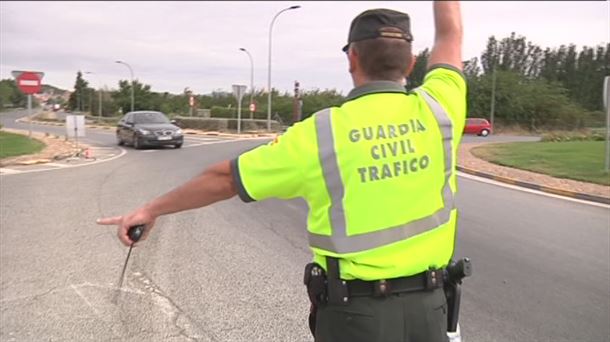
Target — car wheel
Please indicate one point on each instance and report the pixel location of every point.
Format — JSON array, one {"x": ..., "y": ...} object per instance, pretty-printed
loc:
[
  {"x": 119, "y": 140},
  {"x": 484, "y": 133},
  {"x": 178, "y": 145},
  {"x": 136, "y": 143}
]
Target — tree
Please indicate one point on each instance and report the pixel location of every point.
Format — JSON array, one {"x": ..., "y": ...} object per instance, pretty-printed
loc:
[
  {"x": 10, "y": 95},
  {"x": 419, "y": 70},
  {"x": 77, "y": 97},
  {"x": 143, "y": 97}
]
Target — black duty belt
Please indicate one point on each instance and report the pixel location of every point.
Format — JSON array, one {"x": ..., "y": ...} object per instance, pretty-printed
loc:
[{"x": 425, "y": 281}]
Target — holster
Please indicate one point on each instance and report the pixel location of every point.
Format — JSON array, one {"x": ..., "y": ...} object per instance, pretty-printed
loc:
[
  {"x": 454, "y": 273},
  {"x": 315, "y": 281}
]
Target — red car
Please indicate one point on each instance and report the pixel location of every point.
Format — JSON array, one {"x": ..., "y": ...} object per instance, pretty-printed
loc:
[{"x": 477, "y": 126}]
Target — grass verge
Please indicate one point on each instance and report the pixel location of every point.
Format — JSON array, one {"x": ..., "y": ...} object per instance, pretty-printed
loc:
[
  {"x": 12, "y": 145},
  {"x": 578, "y": 160}
]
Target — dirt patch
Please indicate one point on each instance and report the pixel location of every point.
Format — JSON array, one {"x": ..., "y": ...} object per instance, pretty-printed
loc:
[{"x": 468, "y": 160}]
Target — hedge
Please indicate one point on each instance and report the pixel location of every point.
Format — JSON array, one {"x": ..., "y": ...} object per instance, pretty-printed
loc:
[
  {"x": 560, "y": 136},
  {"x": 224, "y": 125}
]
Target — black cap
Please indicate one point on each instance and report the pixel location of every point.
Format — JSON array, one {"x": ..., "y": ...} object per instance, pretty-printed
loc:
[{"x": 371, "y": 23}]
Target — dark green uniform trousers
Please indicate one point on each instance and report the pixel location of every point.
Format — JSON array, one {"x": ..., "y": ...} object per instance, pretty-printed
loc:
[{"x": 405, "y": 317}]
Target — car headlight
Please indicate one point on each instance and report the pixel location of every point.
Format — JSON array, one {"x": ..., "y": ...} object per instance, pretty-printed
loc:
[
  {"x": 143, "y": 131},
  {"x": 178, "y": 132}
]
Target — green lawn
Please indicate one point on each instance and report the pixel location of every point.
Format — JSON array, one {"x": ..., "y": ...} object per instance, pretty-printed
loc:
[
  {"x": 579, "y": 160},
  {"x": 16, "y": 144}
]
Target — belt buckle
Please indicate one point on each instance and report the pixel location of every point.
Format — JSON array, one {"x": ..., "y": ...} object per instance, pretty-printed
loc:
[{"x": 382, "y": 288}]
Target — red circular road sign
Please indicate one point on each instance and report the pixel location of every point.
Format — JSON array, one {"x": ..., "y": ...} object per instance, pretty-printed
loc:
[
  {"x": 252, "y": 107},
  {"x": 29, "y": 83}
]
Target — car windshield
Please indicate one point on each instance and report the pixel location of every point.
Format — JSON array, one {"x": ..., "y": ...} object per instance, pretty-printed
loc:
[{"x": 150, "y": 118}]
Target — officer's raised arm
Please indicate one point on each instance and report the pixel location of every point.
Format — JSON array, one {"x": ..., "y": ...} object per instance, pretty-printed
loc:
[{"x": 447, "y": 47}]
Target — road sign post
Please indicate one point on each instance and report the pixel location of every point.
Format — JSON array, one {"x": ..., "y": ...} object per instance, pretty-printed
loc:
[
  {"x": 191, "y": 104},
  {"x": 75, "y": 124},
  {"x": 238, "y": 91},
  {"x": 29, "y": 82}
]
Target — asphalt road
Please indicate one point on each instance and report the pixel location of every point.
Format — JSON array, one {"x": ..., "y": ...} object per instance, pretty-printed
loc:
[{"x": 233, "y": 271}]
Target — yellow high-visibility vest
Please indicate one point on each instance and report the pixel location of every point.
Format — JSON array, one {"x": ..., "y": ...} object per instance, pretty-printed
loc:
[{"x": 378, "y": 174}]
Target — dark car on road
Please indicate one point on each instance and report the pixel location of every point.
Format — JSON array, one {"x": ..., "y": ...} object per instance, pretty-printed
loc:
[
  {"x": 148, "y": 128},
  {"x": 477, "y": 126}
]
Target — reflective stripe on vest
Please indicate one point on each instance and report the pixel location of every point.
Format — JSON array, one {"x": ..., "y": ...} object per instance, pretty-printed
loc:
[{"x": 339, "y": 242}]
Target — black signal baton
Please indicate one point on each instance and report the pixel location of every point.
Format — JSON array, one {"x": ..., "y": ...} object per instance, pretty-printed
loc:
[{"x": 134, "y": 233}]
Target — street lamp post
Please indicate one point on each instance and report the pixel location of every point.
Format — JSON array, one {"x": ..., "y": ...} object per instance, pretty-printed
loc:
[
  {"x": 251, "y": 80},
  {"x": 269, "y": 66},
  {"x": 493, "y": 98},
  {"x": 78, "y": 98},
  {"x": 99, "y": 107},
  {"x": 131, "y": 72}
]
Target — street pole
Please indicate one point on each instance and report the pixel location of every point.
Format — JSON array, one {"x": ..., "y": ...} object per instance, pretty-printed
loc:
[
  {"x": 239, "y": 114},
  {"x": 131, "y": 73},
  {"x": 269, "y": 65},
  {"x": 30, "y": 115},
  {"x": 238, "y": 91},
  {"x": 189, "y": 94},
  {"x": 100, "y": 103},
  {"x": 493, "y": 99},
  {"x": 99, "y": 106},
  {"x": 607, "y": 103},
  {"x": 91, "y": 102},
  {"x": 251, "y": 80}
]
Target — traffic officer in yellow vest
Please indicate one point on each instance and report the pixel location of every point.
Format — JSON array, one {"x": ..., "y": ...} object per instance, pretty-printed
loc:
[{"x": 378, "y": 174}]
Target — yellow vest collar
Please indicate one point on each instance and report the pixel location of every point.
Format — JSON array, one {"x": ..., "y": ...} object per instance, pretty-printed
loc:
[{"x": 376, "y": 87}]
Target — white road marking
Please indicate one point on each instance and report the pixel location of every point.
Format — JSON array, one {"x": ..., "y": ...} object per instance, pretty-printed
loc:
[
  {"x": 6, "y": 171},
  {"x": 73, "y": 287},
  {"x": 542, "y": 193},
  {"x": 123, "y": 152},
  {"x": 200, "y": 142},
  {"x": 57, "y": 164},
  {"x": 223, "y": 142},
  {"x": 97, "y": 313}
]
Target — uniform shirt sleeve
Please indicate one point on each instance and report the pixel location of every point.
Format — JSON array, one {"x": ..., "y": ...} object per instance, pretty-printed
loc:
[
  {"x": 448, "y": 86},
  {"x": 275, "y": 170}
]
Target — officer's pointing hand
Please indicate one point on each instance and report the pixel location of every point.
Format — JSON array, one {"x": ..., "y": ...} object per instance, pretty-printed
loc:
[{"x": 138, "y": 217}]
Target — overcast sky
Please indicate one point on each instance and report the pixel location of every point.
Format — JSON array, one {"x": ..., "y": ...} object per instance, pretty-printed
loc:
[{"x": 173, "y": 45}]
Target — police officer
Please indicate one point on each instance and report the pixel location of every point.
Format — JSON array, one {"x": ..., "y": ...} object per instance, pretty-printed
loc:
[{"x": 378, "y": 174}]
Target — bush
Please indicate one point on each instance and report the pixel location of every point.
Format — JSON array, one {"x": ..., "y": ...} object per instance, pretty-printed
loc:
[
  {"x": 562, "y": 136},
  {"x": 229, "y": 113},
  {"x": 109, "y": 121},
  {"x": 223, "y": 125}
]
